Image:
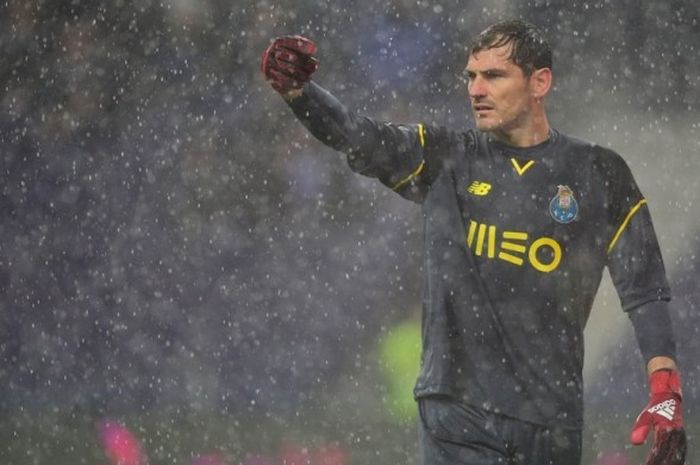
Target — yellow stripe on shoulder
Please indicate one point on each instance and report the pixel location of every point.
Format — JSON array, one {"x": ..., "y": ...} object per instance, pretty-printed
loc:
[
  {"x": 624, "y": 224},
  {"x": 421, "y": 134},
  {"x": 421, "y": 140}
]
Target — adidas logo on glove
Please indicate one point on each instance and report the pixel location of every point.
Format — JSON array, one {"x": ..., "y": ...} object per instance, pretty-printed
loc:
[{"x": 666, "y": 409}]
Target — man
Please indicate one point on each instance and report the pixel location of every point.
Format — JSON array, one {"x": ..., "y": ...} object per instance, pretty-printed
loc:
[{"x": 520, "y": 221}]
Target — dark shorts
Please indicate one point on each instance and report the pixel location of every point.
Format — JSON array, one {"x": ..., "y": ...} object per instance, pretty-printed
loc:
[{"x": 452, "y": 433}]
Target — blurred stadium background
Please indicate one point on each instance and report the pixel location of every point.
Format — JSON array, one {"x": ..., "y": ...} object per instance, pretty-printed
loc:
[{"x": 179, "y": 257}]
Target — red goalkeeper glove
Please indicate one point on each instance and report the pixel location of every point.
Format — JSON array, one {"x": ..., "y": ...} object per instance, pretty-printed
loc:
[
  {"x": 289, "y": 62},
  {"x": 664, "y": 414}
]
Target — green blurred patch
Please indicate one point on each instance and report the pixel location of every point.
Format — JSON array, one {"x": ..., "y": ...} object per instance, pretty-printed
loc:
[{"x": 400, "y": 361}]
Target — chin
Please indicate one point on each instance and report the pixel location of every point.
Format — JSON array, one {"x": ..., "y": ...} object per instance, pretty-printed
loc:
[{"x": 485, "y": 125}]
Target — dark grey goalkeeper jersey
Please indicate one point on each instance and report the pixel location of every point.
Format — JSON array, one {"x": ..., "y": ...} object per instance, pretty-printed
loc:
[{"x": 516, "y": 241}]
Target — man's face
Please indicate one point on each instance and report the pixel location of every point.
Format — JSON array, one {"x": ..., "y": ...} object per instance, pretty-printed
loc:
[{"x": 499, "y": 91}]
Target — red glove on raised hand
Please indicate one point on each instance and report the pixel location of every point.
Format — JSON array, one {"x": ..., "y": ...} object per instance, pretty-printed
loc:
[
  {"x": 289, "y": 62},
  {"x": 664, "y": 413}
]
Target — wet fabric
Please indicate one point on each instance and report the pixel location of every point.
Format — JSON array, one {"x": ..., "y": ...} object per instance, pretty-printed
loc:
[
  {"x": 516, "y": 241},
  {"x": 457, "y": 434}
]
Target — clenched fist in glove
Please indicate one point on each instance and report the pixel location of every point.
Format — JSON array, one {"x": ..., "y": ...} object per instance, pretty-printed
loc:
[
  {"x": 289, "y": 62},
  {"x": 664, "y": 414}
]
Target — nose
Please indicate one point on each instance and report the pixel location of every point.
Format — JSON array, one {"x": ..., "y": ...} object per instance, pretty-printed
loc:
[{"x": 476, "y": 88}]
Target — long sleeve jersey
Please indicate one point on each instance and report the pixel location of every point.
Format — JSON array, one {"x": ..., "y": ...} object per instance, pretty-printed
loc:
[{"x": 516, "y": 241}]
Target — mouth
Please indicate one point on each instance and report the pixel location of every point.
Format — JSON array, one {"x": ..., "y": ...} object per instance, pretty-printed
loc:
[{"x": 481, "y": 109}]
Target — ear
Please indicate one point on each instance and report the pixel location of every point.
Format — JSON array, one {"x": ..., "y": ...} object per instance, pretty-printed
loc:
[{"x": 540, "y": 82}]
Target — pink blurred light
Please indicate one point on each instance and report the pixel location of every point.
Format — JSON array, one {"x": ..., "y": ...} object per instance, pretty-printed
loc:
[
  {"x": 259, "y": 460},
  {"x": 330, "y": 454},
  {"x": 120, "y": 445},
  {"x": 292, "y": 454}
]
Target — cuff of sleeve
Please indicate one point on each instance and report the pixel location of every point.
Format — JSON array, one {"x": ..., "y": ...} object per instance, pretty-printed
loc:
[
  {"x": 647, "y": 297},
  {"x": 652, "y": 326}
]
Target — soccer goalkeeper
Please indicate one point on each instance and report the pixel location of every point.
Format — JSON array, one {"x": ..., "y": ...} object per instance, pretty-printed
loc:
[{"x": 520, "y": 222}]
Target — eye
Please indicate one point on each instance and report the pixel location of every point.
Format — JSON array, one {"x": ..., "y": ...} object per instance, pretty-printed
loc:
[
  {"x": 492, "y": 74},
  {"x": 467, "y": 76}
]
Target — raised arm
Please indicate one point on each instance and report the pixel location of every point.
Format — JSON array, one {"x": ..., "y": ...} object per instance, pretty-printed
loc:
[{"x": 398, "y": 155}]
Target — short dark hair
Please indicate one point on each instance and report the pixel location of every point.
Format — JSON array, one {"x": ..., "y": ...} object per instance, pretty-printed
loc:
[{"x": 530, "y": 50}]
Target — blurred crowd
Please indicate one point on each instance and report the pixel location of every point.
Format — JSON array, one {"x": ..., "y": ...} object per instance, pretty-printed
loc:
[
  {"x": 171, "y": 236},
  {"x": 122, "y": 446}
]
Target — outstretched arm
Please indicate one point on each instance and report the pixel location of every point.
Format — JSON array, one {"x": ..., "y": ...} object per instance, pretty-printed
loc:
[
  {"x": 396, "y": 154},
  {"x": 288, "y": 63}
]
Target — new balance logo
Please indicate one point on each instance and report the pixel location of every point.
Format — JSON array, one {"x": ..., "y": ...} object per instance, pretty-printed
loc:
[
  {"x": 666, "y": 409},
  {"x": 479, "y": 188}
]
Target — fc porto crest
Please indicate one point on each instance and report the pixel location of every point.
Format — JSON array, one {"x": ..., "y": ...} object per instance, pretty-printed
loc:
[{"x": 563, "y": 206}]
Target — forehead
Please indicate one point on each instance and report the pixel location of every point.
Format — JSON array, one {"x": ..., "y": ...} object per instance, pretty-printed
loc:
[{"x": 497, "y": 57}]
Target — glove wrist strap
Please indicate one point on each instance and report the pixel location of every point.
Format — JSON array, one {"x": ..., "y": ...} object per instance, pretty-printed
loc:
[{"x": 665, "y": 380}]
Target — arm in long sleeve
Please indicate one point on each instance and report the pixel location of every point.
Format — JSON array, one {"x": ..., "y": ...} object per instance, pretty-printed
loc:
[
  {"x": 638, "y": 272},
  {"x": 396, "y": 154},
  {"x": 652, "y": 327}
]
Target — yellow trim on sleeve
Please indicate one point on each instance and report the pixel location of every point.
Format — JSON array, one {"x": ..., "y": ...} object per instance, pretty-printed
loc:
[
  {"x": 622, "y": 227},
  {"x": 421, "y": 134},
  {"x": 421, "y": 140},
  {"x": 410, "y": 176}
]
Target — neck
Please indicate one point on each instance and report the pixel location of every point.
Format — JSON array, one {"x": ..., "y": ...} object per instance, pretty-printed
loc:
[{"x": 525, "y": 135}]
